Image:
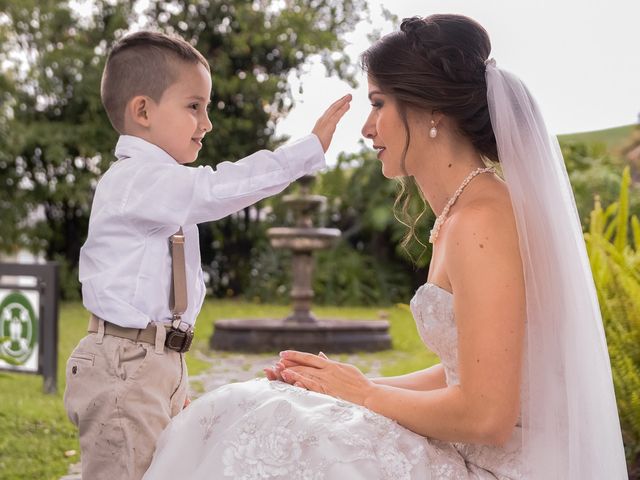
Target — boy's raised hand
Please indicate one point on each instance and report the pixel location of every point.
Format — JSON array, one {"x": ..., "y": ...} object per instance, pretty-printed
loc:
[{"x": 326, "y": 124}]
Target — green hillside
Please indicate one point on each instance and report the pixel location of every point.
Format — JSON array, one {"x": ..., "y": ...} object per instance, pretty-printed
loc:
[{"x": 613, "y": 138}]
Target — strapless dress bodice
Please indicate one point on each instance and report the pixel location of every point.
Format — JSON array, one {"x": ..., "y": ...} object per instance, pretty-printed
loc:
[{"x": 432, "y": 309}]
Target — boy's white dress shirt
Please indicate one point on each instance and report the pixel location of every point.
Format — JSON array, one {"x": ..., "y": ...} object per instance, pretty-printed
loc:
[{"x": 144, "y": 197}]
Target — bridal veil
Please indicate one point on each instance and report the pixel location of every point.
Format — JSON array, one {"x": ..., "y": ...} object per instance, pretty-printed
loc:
[{"x": 570, "y": 421}]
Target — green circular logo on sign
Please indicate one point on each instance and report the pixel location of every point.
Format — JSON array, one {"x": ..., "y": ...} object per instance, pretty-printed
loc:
[{"x": 18, "y": 327}]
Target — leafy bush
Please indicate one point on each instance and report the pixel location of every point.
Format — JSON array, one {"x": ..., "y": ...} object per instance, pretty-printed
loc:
[
  {"x": 594, "y": 171},
  {"x": 614, "y": 255},
  {"x": 348, "y": 276}
]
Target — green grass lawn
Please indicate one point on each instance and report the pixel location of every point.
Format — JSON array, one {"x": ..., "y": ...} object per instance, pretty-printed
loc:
[{"x": 35, "y": 432}]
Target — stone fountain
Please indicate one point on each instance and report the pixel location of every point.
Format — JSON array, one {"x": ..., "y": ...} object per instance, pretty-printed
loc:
[{"x": 301, "y": 330}]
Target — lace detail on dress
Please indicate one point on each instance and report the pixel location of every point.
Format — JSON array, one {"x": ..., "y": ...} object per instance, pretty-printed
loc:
[
  {"x": 208, "y": 422},
  {"x": 432, "y": 309},
  {"x": 270, "y": 448},
  {"x": 274, "y": 438}
]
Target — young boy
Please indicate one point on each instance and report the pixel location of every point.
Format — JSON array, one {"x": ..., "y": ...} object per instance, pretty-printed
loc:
[{"x": 123, "y": 382}]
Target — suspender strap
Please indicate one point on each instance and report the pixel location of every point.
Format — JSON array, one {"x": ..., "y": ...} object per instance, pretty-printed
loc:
[
  {"x": 178, "y": 296},
  {"x": 180, "y": 335}
]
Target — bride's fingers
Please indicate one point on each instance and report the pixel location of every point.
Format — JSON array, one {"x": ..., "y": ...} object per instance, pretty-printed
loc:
[
  {"x": 306, "y": 382},
  {"x": 282, "y": 364},
  {"x": 270, "y": 374},
  {"x": 308, "y": 372},
  {"x": 273, "y": 373},
  {"x": 322, "y": 355},
  {"x": 303, "y": 358}
]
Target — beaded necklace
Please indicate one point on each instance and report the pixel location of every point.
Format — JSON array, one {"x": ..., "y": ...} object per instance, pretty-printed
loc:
[{"x": 433, "y": 235}]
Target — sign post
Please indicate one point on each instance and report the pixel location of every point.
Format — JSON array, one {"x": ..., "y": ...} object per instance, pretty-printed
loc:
[{"x": 29, "y": 320}]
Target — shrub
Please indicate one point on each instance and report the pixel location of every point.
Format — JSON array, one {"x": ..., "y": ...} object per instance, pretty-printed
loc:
[{"x": 613, "y": 245}]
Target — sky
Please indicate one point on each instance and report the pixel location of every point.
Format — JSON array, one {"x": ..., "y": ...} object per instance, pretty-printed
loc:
[{"x": 580, "y": 59}]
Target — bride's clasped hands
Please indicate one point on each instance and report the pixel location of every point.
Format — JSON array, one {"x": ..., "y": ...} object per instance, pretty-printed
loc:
[{"x": 318, "y": 373}]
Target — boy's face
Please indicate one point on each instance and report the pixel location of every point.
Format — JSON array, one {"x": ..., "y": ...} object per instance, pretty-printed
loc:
[{"x": 179, "y": 121}]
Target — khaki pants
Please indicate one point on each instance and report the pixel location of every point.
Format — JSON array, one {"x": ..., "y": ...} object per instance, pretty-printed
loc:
[{"x": 121, "y": 394}]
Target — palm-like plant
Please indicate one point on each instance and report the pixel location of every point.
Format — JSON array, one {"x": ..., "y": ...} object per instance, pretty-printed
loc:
[{"x": 613, "y": 245}]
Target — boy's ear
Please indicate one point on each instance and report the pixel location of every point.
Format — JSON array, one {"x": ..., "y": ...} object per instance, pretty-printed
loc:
[{"x": 138, "y": 108}]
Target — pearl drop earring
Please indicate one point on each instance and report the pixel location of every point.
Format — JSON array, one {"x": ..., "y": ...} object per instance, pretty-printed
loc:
[{"x": 433, "y": 133}]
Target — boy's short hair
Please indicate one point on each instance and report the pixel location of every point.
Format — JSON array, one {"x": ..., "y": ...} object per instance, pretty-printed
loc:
[{"x": 143, "y": 63}]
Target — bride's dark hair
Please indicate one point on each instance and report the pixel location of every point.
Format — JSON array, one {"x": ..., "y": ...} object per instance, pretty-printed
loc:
[{"x": 435, "y": 64}]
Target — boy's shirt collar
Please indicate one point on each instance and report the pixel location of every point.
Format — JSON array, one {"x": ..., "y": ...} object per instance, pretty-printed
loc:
[{"x": 129, "y": 146}]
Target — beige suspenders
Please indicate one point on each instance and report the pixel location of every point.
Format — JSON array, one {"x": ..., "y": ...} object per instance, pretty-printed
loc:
[
  {"x": 180, "y": 335},
  {"x": 178, "y": 296}
]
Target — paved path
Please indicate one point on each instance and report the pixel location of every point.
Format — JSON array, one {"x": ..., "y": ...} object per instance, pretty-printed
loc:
[{"x": 229, "y": 368}]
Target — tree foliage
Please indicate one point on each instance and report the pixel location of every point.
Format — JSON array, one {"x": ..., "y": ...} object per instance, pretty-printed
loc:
[
  {"x": 56, "y": 138},
  {"x": 594, "y": 171}
]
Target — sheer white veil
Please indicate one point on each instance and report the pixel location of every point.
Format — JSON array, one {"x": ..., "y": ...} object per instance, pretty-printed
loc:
[{"x": 570, "y": 421}]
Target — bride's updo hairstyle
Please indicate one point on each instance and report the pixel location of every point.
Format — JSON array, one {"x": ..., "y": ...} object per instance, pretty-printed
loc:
[{"x": 437, "y": 63}]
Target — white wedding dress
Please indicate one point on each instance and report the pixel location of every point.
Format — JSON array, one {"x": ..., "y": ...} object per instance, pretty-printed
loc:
[{"x": 270, "y": 430}]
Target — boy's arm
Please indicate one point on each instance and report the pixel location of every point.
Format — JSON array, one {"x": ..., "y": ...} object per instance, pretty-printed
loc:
[{"x": 174, "y": 194}]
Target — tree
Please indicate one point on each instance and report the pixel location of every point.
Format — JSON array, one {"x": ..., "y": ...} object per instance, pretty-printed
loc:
[
  {"x": 59, "y": 140},
  {"x": 56, "y": 137}
]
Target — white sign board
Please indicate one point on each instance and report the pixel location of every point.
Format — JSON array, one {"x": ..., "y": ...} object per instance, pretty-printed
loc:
[{"x": 19, "y": 329}]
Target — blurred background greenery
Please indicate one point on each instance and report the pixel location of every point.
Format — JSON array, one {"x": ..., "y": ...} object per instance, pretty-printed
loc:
[{"x": 55, "y": 142}]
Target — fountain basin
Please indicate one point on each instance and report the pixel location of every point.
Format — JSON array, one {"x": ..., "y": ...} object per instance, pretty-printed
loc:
[
  {"x": 301, "y": 203},
  {"x": 302, "y": 239},
  {"x": 275, "y": 335}
]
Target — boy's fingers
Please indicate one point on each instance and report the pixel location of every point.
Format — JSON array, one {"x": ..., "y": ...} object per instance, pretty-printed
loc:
[
  {"x": 338, "y": 114},
  {"x": 344, "y": 99},
  {"x": 336, "y": 109},
  {"x": 337, "y": 105},
  {"x": 341, "y": 106},
  {"x": 326, "y": 124}
]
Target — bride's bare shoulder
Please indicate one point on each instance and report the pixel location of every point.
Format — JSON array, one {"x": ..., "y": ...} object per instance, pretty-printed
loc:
[
  {"x": 482, "y": 235},
  {"x": 489, "y": 209}
]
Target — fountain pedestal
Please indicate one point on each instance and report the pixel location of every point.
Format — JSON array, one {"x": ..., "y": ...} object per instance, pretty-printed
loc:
[{"x": 301, "y": 330}]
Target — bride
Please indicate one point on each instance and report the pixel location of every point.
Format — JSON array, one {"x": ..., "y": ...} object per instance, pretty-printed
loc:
[{"x": 524, "y": 386}]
